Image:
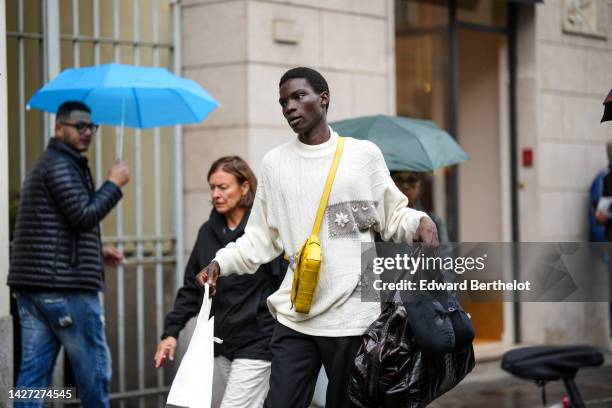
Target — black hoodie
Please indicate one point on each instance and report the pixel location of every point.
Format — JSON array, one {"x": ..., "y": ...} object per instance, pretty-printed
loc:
[{"x": 242, "y": 319}]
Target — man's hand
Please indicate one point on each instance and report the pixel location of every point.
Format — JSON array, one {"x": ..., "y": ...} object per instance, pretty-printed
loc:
[
  {"x": 209, "y": 275},
  {"x": 119, "y": 173},
  {"x": 427, "y": 232},
  {"x": 112, "y": 256},
  {"x": 601, "y": 217},
  {"x": 165, "y": 351}
]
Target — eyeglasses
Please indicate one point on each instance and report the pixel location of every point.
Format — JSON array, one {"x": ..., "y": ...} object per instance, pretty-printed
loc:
[
  {"x": 405, "y": 182},
  {"x": 82, "y": 127}
]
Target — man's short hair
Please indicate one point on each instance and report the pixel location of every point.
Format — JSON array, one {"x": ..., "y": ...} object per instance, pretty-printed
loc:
[
  {"x": 314, "y": 78},
  {"x": 63, "y": 112}
]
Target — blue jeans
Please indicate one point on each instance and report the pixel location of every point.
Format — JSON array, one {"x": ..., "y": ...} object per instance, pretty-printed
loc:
[{"x": 75, "y": 321}]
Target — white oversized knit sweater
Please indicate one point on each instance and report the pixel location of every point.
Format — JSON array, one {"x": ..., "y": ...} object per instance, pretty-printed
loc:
[{"x": 363, "y": 198}]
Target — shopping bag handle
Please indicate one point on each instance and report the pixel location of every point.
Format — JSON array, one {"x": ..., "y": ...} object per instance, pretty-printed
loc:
[{"x": 206, "y": 303}]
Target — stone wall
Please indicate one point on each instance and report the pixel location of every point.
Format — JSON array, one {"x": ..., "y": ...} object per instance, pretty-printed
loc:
[
  {"x": 562, "y": 80},
  {"x": 574, "y": 76}
]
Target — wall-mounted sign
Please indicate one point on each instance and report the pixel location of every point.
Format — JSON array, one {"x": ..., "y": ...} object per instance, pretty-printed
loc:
[{"x": 580, "y": 17}]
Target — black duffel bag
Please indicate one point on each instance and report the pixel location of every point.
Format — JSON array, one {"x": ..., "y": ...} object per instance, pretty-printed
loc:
[{"x": 391, "y": 370}]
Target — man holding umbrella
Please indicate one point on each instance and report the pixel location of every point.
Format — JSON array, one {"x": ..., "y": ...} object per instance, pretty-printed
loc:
[{"x": 56, "y": 268}]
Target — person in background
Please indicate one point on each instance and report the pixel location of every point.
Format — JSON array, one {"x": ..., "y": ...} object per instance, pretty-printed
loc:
[
  {"x": 57, "y": 260},
  {"x": 410, "y": 183},
  {"x": 602, "y": 187},
  {"x": 597, "y": 231},
  {"x": 242, "y": 319}
]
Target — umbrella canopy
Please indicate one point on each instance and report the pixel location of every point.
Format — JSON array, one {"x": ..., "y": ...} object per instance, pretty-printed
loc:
[
  {"x": 406, "y": 144},
  {"x": 607, "y": 108},
  {"x": 139, "y": 97}
]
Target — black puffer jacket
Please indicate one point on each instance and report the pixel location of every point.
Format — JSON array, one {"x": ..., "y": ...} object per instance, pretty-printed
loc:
[{"x": 56, "y": 244}]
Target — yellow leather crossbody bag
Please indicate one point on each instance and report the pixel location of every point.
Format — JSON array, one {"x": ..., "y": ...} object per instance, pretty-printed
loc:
[{"x": 309, "y": 258}]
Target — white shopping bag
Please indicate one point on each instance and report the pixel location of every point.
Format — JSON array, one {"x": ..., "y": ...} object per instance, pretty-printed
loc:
[{"x": 192, "y": 385}]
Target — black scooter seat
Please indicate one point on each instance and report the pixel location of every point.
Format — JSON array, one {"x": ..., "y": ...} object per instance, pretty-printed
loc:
[{"x": 550, "y": 363}]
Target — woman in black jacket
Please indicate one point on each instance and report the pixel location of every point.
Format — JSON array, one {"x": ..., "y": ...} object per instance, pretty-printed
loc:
[{"x": 242, "y": 319}]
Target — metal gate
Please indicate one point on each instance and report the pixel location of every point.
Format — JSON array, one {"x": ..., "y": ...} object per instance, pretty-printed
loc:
[{"x": 46, "y": 36}]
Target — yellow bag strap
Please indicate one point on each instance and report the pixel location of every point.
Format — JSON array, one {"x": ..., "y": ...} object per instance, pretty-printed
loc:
[{"x": 328, "y": 186}]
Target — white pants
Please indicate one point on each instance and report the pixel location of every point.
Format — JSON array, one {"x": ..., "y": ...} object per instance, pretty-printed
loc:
[{"x": 242, "y": 383}]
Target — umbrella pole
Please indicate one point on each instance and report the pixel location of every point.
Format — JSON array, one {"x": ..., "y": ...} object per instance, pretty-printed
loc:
[{"x": 120, "y": 147}]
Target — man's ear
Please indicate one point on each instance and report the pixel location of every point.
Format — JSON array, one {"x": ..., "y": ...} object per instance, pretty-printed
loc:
[
  {"x": 324, "y": 99},
  {"x": 59, "y": 130}
]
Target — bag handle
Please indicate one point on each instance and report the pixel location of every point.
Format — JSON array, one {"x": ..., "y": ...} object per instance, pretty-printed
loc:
[
  {"x": 328, "y": 185},
  {"x": 206, "y": 303}
]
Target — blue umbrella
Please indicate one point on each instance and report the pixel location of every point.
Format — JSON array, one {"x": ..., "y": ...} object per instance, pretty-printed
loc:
[
  {"x": 406, "y": 144},
  {"x": 139, "y": 97},
  {"x": 134, "y": 96}
]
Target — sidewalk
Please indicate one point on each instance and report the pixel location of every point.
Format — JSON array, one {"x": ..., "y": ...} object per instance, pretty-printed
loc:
[{"x": 489, "y": 386}]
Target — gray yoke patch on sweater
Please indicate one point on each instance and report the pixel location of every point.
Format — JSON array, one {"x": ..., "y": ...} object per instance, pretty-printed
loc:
[{"x": 348, "y": 218}]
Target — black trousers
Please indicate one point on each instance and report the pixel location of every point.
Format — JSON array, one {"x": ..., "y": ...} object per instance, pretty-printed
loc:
[{"x": 296, "y": 361}]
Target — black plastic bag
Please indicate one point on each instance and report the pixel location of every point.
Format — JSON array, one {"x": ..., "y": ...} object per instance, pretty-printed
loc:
[{"x": 391, "y": 371}]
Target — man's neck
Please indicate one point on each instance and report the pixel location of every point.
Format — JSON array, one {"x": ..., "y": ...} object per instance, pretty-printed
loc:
[
  {"x": 68, "y": 145},
  {"x": 317, "y": 135}
]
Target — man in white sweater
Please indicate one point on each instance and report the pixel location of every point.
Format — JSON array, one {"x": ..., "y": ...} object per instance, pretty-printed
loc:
[{"x": 363, "y": 199}]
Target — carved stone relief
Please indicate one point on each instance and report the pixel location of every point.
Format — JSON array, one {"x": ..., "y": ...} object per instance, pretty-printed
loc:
[{"x": 580, "y": 17}]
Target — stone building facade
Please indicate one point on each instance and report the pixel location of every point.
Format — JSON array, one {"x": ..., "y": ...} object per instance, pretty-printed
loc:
[{"x": 563, "y": 77}]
